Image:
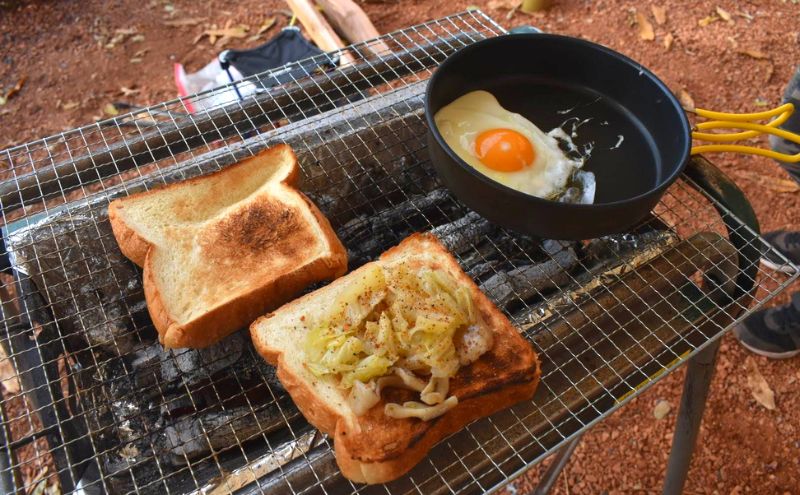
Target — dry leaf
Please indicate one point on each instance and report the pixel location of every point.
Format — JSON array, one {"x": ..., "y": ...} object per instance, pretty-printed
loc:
[
  {"x": 110, "y": 109},
  {"x": 686, "y": 100},
  {"x": 754, "y": 53},
  {"x": 141, "y": 53},
  {"x": 191, "y": 21},
  {"x": 70, "y": 105},
  {"x": 770, "y": 71},
  {"x": 14, "y": 89},
  {"x": 39, "y": 487},
  {"x": 744, "y": 14},
  {"x": 775, "y": 184},
  {"x": 135, "y": 60},
  {"x": 511, "y": 12},
  {"x": 707, "y": 20},
  {"x": 266, "y": 25},
  {"x": 631, "y": 17},
  {"x": 128, "y": 91},
  {"x": 645, "y": 28},
  {"x": 668, "y": 39},
  {"x": 724, "y": 14},
  {"x": 37, "y": 330},
  {"x": 129, "y": 451},
  {"x": 782, "y": 185},
  {"x": 120, "y": 35},
  {"x": 759, "y": 55},
  {"x": 8, "y": 375},
  {"x": 137, "y": 38},
  {"x": 659, "y": 14},
  {"x": 40, "y": 475},
  {"x": 662, "y": 408},
  {"x": 227, "y": 32},
  {"x": 758, "y": 385},
  {"x": 40, "y": 482}
]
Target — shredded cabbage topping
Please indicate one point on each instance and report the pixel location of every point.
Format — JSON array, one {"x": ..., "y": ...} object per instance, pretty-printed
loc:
[{"x": 401, "y": 325}]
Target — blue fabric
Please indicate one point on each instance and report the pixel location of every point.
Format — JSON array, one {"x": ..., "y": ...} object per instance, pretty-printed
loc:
[{"x": 791, "y": 95}]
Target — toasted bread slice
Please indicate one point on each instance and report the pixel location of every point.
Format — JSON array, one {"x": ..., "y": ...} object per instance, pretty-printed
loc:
[
  {"x": 375, "y": 448},
  {"x": 221, "y": 249}
]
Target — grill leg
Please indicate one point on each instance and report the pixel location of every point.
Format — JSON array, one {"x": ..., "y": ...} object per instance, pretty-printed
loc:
[
  {"x": 559, "y": 462},
  {"x": 693, "y": 401}
]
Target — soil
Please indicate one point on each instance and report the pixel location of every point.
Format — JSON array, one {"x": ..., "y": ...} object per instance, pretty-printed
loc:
[{"x": 73, "y": 67}]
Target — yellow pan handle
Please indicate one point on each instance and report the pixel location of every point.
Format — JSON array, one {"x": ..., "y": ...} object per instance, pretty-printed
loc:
[
  {"x": 745, "y": 117},
  {"x": 744, "y": 121},
  {"x": 734, "y": 136},
  {"x": 750, "y": 150},
  {"x": 756, "y": 128}
]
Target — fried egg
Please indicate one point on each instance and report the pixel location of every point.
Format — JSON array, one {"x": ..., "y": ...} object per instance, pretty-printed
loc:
[{"x": 506, "y": 146}]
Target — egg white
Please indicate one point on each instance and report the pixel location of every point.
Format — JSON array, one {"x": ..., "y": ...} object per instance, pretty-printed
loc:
[{"x": 461, "y": 121}]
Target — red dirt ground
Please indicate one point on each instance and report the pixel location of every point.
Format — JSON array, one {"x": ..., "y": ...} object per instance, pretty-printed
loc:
[{"x": 741, "y": 65}]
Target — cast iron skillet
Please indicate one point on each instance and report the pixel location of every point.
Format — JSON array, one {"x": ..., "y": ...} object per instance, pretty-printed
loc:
[{"x": 542, "y": 76}]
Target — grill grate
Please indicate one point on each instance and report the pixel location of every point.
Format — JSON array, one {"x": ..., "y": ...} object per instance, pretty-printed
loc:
[{"x": 119, "y": 414}]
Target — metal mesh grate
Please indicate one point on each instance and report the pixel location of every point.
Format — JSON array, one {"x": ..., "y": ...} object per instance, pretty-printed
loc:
[{"x": 119, "y": 414}]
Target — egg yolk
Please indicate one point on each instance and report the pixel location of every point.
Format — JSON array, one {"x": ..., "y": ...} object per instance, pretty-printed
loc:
[{"x": 504, "y": 150}]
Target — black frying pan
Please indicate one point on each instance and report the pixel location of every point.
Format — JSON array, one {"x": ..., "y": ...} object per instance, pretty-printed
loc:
[{"x": 541, "y": 76}]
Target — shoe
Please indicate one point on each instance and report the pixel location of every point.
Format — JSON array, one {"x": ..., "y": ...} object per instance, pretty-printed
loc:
[
  {"x": 781, "y": 145},
  {"x": 788, "y": 243},
  {"x": 773, "y": 332}
]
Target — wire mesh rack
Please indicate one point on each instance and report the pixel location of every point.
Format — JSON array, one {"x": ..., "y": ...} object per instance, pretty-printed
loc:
[{"x": 114, "y": 412}]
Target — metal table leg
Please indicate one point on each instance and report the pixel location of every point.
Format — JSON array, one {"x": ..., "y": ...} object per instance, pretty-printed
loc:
[
  {"x": 699, "y": 373},
  {"x": 693, "y": 402},
  {"x": 561, "y": 458}
]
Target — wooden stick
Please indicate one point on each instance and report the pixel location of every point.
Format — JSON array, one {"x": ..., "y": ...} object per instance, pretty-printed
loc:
[
  {"x": 318, "y": 28},
  {"x": 352, "y": 22}
]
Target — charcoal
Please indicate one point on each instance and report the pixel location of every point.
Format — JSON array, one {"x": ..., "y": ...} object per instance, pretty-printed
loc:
[
  {"x": 172, "y": 369},
  {"x": 530, "y": 280},
  {"x": 614, "y": 246},
  {"x": 482, "y": 270},
  {"x": 604, "y": 260},
  {"x": 369, "y": 235},
  {"x": 194, "y": 436},
  {"x": 194, "y": 364},
  {"x": 459, "y": 234}
]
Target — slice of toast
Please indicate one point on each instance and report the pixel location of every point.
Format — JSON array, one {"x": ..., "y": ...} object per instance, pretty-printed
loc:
[
  {"x": 220, "y": 250},
  {"x": 373, "y": 447}
]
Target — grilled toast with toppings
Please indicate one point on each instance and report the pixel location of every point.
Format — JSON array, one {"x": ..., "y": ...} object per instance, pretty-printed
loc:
[
  {"x": 220, "y": 250},
  {"x": 395, "y": 356}
]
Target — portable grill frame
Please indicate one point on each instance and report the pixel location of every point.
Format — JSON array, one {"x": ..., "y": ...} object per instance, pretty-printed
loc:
[{"x": 577, "y": 391}]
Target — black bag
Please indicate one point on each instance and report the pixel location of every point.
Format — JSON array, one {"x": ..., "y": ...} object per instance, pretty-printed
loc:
[{"x": 287, "y": 47}]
